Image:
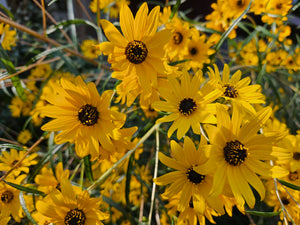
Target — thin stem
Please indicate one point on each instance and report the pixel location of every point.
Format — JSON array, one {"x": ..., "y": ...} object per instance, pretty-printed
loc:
[
  {"x": 53, "y": 21},
  {"x": 84, "y": 10},
  {"x": 111, "y": 169},
  {"x": 154, "y": 176},
  {"x": 44, "y": 18},
  {"x": 45, "y": 39}
]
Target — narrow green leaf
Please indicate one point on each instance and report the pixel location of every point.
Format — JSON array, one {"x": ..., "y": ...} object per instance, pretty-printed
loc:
[
  {"x": 178, "y": 62},
  {"x": 17, "y": 147},
  {"x": 7, "y": 11},
  {"x": 261, "y": 74},
  {"x": 11, "y": 70},
  {"x": 264, "y": 214},
  {"x": 24, "y": 207},
  {"x": 25, "y": 189},
  {"x": 75, "y": 22},
  {"x": 175, "y": 9},
  {"x": 290, "y": 185},
  {"x": 48, "y": 52},
  {"x": 88, "y": 168},
  {"x": 231, "y": 27}
]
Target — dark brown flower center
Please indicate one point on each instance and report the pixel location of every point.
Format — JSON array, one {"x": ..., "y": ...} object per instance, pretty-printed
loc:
[
  {"x": 296, "y": 156},
  {"x": 136, "y": 52},
  {"x": 285, "y": 201},
  {"x": 230, "y": 91},
  {"x": 240, "y": 3},
  {"x": 187, "y": 106},
  {"x": 193, "y": 51},
  {"x": 14, "y": 162},
  {"x": 279, "y": 6},
  {"x": 194, "y": 177},
  {"x": 88, "y": 115},
  {"x": 7, "y": 196},
  {"x": 75, "y": 217},
  {"x": 177, "y": 38},
  {"x": 293, "y": 176},
  {"x": 235, "y": 153}
]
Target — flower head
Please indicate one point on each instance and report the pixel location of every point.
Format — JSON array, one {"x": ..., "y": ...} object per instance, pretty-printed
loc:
[
  {"x": 241, "y": 154},
  {"x": 9, "y": 159},
  {"x": 188, "y": 104},
  {"x": 236, "y": 89},
  {"x": 193, "y": 186},
  {"x": 71, "y": 206},
  {"x": 81, "y": 114},
  {"x": 138, "y": 54}
]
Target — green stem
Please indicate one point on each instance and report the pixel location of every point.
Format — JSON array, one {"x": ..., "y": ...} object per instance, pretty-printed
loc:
[
  {"x": 154, "y": 176},
  {"x": 111, "y": 169}
]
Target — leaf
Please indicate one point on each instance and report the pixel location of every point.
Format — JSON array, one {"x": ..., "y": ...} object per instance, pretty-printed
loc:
[
  {"x": 264, "y": 214},
  {"x": 24, "y": 207},
  {"x": 178, "y": 62},
  {"x": 48, "y": 52},
  {"x": 25, "y": 189},
  {"x": 7, "y": 11},
  {"x": 262, "y": 72},
  {"x": 17, "y": 147},
  {"x": 11, "y": 70},
  {"x": 88, "y": 168},
  {"x": 128, "y": 178},
  {"x": 75, "y": 22},
  {"x": 290, "y": 185},
  {"x": 231, "y": 27},
  {"x": 175, "y": 9}
]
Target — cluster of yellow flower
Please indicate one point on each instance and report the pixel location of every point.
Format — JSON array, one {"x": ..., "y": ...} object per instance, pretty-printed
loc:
[{"x": 222, "y": 148}]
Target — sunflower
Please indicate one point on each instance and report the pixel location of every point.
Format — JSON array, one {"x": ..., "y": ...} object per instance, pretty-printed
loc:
[
  {"x": 138, "y": 54},
  {"x": 24, "y": 136},
  {"x": 10, "y": 203},
  {"x": 241, "y": 154},
  {"x": 188, "y": 105},
  {"x": 176, "y": 48},
  {"x": 80, "y": 114},
  {"x": 190, "y": 215},
  {"x": 236, "y": 7},
  {"x": 293, "y": 144},
  {"x": 236, "y": 89},
  {"x": 9, "y": 159},
  {"x": 89, "y": 48},
  {"x": 47, "y": 181},
  {"x": 71, "y": 206},
  {"x": 198, "y": 51},
  {"x": 7, "y": 36},
  {"x": 192, "y": 185}
]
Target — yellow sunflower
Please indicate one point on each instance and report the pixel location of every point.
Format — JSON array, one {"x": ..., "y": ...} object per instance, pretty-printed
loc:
[
  {"x": 47, "y": 181},
  {"x": 293, "y": 144},
  {"x": 188, "y": 104},
  {"x": 241, "y": 154},
  {"x": 176, "y": 48},
  {"x": 7, "y": 36},
  {"x": 9, "y": 159},
  {"x": 10, "y": 203},
  {"x": 192, "y": 185},
  {"x": 198, "y": 51},
  {"x": 237, "y": 89},
  {"x": 70, "y": 206},
  {"x": 138, "y": 54},
  {"x": 80, "y": 114}
]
